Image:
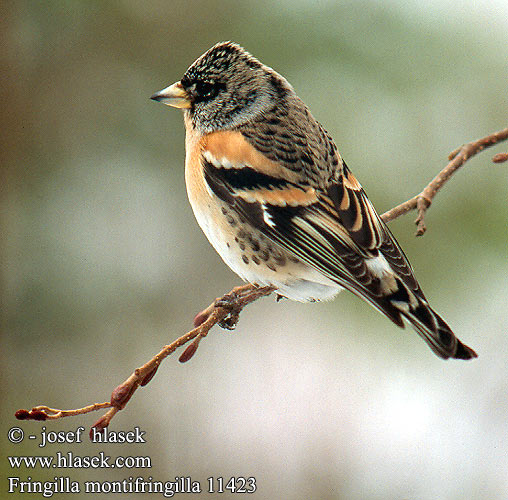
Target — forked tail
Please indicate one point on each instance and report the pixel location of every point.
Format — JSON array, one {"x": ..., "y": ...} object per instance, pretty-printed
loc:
[{"x": 429, "y": 325}]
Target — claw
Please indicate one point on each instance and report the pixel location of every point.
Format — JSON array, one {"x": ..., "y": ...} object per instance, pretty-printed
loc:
[{"x": 228, "y": 301}]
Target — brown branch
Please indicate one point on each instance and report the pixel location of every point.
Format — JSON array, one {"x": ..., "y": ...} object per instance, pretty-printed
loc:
[
  {"x": 225, "y": 311},
  {"x": 422, "y": 201}
]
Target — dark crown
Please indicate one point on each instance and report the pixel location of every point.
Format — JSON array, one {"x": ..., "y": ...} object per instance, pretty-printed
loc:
[{"x": 218, "y": 60}]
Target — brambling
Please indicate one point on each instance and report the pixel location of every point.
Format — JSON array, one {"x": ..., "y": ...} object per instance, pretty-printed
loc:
[{"x": 277, "y": 201}]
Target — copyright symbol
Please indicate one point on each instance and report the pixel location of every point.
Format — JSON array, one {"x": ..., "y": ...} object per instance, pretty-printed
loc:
[{"x": 15, "y": 435}]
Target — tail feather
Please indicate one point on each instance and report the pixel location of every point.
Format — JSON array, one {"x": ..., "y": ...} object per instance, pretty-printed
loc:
[{"x": 429, "y": 325}]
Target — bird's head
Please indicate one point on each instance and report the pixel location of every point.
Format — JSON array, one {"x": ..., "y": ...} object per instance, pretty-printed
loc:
[{"x": 224, "y": 88}]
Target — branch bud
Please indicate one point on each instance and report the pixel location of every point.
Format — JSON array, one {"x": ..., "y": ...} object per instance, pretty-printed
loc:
[
  {"x": 37, "y": 415},
  {"x": 99, "y": 426},
  {"x": 121, "y": 395},
  {"x": 500, "y": 157},
  {"x": 149, "y": 376},
  {"x": 189, "y": 351},
  {"x": 22, "y": 414},
  {"x": 200, "y": 318}
]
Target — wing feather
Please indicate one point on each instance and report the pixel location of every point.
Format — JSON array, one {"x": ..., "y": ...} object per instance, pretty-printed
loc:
[
  {"x": 312, "y": 233},
  {"x": 338, "y": 233},
  {"x": 283, "y": 174}
]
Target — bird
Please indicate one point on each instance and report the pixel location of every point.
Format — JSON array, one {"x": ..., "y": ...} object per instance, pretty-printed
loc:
[{"x": 277, "y": 201}]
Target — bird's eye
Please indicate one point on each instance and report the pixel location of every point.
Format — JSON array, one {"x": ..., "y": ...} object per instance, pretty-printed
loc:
[{"x": 207, "y": 90}]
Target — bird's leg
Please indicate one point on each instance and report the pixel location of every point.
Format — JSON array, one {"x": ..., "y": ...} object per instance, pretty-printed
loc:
[{"x": 233, "y": 302}]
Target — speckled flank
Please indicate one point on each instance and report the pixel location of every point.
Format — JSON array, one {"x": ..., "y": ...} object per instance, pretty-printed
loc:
[
  {"x": 255, "y": 247},
  {"x": 268, "y": 263}
]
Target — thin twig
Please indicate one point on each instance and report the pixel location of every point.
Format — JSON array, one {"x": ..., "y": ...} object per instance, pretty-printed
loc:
[
  {"x": 422, "y": 201},
  {"x": 47, "y": 413},
  {"x": 225, "y": 311}
]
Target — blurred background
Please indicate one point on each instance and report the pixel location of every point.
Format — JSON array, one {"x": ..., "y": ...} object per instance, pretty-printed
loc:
[{"x": 103, "y": 263}]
